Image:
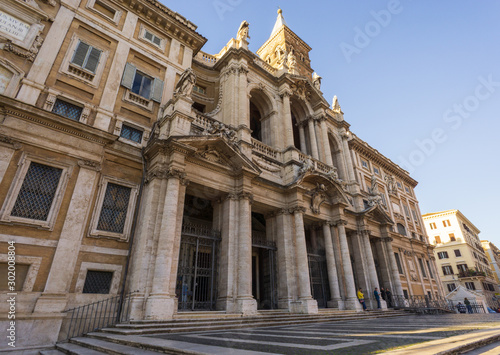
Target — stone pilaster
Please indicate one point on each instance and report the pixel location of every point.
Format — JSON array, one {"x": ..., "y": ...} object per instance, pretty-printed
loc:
[
  {"x": 287, "y": 118},
  {"x": 161, "y": 302},
  {"x": 335, "y": 301},
  {"x": 306, "y": 303},
  {"x": 245, "y": 303},
  {"x": 302, "y": 137},
  {"x": 351, "y": 299},
  {"x": 326, "y": 142},
  {"x": 312, "y": 139},
  {"x": 319, "y": 140},
  {"x": 54, "y": 297}
]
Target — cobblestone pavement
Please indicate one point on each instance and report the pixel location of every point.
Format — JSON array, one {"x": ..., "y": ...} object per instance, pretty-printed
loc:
[{"x": 346, "y": 337}]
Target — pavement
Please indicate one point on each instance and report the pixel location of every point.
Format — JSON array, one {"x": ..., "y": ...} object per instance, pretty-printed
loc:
[{"x": 414, "y": 334}]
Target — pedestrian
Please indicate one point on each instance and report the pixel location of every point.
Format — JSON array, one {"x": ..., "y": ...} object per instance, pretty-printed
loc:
[
  {"x": 361, "y": 298},
  {"x": 377, "y": 297},
  {"x": 468, "y": 305},
  {"x": 461, "y": 307},
  {"x": 382, "y": 293},
  {"x": 388, "y": 295}
]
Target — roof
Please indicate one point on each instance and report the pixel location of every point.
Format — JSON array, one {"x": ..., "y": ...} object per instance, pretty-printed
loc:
[{"x": 280, "y": 22}]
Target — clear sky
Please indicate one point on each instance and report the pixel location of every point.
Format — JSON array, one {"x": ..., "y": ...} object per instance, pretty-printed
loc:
[{"x": 418, "y": 80}]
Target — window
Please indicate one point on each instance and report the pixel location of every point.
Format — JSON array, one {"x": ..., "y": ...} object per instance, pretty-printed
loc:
[
  {"x": 446, "y": 223},
  {"x": 152, "y": 38},
  {"x": 470, "y": 285},
  {"x": 364, "y": 164},
  {"x": 104, "y": 9},
  {"x": 407, "y": 210},
  {"x": 142, "y": 85},
  {"x": 422, "y": 267},
  {"x": 443, "y": 255},
  {"x": 414, "y": 214},
  {"x": 68, "y": 110},
  {"x": 433, "y": 225},
  {"x": 452, "y": 237},
  {"x": 451, "y": 287},
  {"x": 447, "y": 270},
  {"x": 398, "y": 263},
  {"x": 97, "y": 282},
  {"x": 86, "y": 57},
  {"x": 437, "y": 239},
  {"x": 35, "y": 194},
  {"x": 113, "y": 216},
  {"x": 401, "y": 229},
  {"x": 399, "y": 185},
  {"x": 457, "y": 252},
  {"x": 462, "y": 268},
  {"x": 131, "y": 134},
  {"x": 429, "y": 268},
  {"x": 407, "y": 189},
  {"x": 114, "y": 208},
  {"x": 376, "y": 171},
  {"x": 200, "y": 89},
  {"x": 405, "y": 294}
]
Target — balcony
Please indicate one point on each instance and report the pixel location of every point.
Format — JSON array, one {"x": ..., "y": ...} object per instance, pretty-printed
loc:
[{"x": 471, "y": 273}]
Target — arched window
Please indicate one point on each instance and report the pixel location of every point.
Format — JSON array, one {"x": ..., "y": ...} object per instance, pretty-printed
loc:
[
  {"x": 296, "y": 134},
  {"x": 255, "y": 125},
  {"x": 401, "y": 229},
  {"x": 261, "y": 109}
]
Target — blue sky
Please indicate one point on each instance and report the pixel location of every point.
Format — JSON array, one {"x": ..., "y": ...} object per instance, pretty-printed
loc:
[{"x": 418, "y": 80}]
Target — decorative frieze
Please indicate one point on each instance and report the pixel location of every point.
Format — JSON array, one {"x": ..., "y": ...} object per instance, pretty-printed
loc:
[{"x": 167, "y": 173}]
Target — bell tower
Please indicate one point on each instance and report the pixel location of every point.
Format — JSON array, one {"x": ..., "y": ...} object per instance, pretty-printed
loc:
[{"x": 285, "y": 50}]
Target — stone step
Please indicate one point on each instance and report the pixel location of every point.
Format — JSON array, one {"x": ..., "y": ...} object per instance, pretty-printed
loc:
[
  {"x": 110, "y": 347},
  {"x": 51, "y": 352},
  {"x": 195, "y": 326},
  {"x": 74, "y": 349}
]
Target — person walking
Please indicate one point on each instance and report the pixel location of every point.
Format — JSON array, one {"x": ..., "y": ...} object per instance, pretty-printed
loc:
[
  {"x": 388, "y": 295},
  {"x": 382, "y": 293},
  {"x": 377, "y": 297},
  {"x": 461, "y": 307},
  {"x": 468, "y": 305},
  {"x": 361, "y": 298}
]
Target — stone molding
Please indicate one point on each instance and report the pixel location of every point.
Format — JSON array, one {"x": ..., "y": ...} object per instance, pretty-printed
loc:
[
  {"x": 89, "y": 164},
  {"x": 9, "y": 141},
  {"x": 167, "y": 173}
]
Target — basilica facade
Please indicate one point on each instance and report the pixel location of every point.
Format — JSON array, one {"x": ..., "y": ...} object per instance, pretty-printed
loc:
[{"x": 132, "y": 161}]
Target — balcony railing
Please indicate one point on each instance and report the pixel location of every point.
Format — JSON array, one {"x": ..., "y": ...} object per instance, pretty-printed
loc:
[{"x": 471, "y": 273}]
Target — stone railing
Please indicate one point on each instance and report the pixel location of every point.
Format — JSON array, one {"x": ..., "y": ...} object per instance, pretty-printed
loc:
[
  {"x": 266, "y": 150},
  {"x": 202, "y": 121},
  {"x": 270, "y": 69},
  {"x": 206, "y": 59}
]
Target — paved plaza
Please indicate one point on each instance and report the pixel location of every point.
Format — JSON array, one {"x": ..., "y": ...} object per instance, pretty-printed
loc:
[{"x": 346, "y": 337}]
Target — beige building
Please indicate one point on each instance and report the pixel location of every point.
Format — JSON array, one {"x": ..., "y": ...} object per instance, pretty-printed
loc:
[
  {"x": 460, "y": 255},
  {"x": 493, "y": 257},
  {"x": 132, "y": 161}
]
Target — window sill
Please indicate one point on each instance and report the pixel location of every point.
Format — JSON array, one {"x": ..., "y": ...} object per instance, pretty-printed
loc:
[
  {"x": 121, "y": 237},
  {"x": 138, "y": 100}
]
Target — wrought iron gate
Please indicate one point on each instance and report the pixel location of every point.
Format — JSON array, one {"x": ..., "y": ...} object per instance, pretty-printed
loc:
[
  {"x": 267, "y": 269},
  {"x": 196, "y": 276},
  {"x": 318, "y": 274}
]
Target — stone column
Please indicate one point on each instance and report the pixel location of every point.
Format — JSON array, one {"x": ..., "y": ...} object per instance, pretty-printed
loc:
[
  {"x": 54, "y": 297},
  {"x": 396, "y": 280},
  {"x": 306, "y": 303},
  {"x": 372, "y": 272},
  {"x": 245, "y": 303},
  {"x": 287, "y": 119},
  {"x": 312, "y": 139},
  {"x": 303, "y": 144},
  {"x": 161, "y": 302},
  {"x": 285, "y": 260},
  {"x": 351, "y": 300},
  {"x": 347, "y": 158},
  {"x": 319, "y": 140},
  {"x": 332, "y": 269},
  {"x": 326, "y": 142},
  {"x": 227, "y": 258}
]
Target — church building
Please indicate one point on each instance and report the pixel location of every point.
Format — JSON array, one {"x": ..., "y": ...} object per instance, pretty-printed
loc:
[{"x": 133, "y": 162}]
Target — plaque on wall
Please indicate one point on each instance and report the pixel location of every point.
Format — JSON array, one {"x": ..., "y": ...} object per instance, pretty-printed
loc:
[{"x": 13, "y": 27}]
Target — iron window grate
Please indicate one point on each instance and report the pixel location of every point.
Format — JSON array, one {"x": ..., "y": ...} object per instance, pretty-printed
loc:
[
  {"x": 131, "y": 133},
  {"x": 37, "y": 192},
  {"x": 98, "y": 281},
  {"x": 114, "y": 208},
  {"x": 65, "y": 109}
]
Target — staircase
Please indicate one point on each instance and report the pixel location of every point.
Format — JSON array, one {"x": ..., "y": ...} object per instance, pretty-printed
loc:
[{"x": 124, "y": 338}]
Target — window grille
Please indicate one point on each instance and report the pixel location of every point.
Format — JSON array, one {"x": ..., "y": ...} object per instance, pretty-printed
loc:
[
  {"x": 67, "y": 110},
  {"x": 98, "y": 281},
  {"x": 37, "y": 192},
  {"x": 131, "y": 133},
  {"x": 114, "y": 208}
]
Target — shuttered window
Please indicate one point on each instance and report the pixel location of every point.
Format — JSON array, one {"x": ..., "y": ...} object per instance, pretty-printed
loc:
[
  {"x": 86, "y": 57},
  {"x": 152, "y": 38},
  {"x": 142, "y": 84}
]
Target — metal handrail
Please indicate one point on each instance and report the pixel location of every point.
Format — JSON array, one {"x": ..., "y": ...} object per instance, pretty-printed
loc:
[{"x": 97, "y": 315}]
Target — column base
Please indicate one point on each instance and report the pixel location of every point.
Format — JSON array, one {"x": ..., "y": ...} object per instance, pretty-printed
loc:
[
  {"x": 246, "y": 306},
  {"x": 160, "y": 307},
  {"x": 285, "y": 303},
  {"x": 353, "y": 304},
  {"x": 51, "y": 303},
  {"x": 225, "y": 304},
  {"x": 338, "y": 303},
  {"x": 137, "y": 307},
  {"x": 304, "y": 306}
]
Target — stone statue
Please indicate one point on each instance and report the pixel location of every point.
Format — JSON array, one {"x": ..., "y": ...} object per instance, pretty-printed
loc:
[
  {"x": 242, "y": 34},
  {"x": 375, "y": 197},
  {"x": 291, "y": 62},
  {"x": 391, "y": 184},
  {"x": 185, "y": 85},
  {"x": 317, "y": 81},
  {"x": 374, "y": 186}
]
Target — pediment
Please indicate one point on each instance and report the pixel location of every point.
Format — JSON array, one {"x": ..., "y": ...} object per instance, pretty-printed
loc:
[
  {"x": 324, "y": 188},
  {"x": 218, "y": 153},
  {"x": 378, "y": 214}
]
